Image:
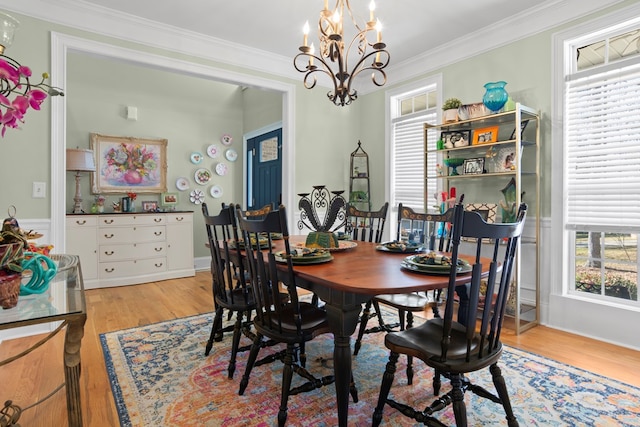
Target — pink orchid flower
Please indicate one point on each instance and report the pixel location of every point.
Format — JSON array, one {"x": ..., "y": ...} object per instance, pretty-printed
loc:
[
  {"x": 36, "y": 97},
  {"x": 7, "y": 72}
]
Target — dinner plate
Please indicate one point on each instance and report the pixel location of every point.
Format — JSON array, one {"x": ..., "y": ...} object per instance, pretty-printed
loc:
[
  {"x": 311, "y": 256},
  {"x": 264, "y": 243},
  {"x": 411, "y": 264},
  {"x": 400, "y": 247},
  {"x": 221, "y": 169},
  {"x": 202, "y": 176},
  {"x": 231, "y": 154},
  {"x": 212, "y": 151},
  {"x": 343, "y": 245},
  {"x": 216, "y": 191},
  {"x": 196, "y": 157},
  {"x": 182, "y": 183},
  {"x": 196, "y": 197}
]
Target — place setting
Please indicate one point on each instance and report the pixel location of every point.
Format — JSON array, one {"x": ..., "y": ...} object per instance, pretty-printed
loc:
[
  {"x": 305, "y": 256},
  {"x": 433, "y": 262},
  {"x": 403, "y": 247}
]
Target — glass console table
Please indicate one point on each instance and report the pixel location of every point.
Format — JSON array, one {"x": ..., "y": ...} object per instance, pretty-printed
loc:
[{"x": 63, "y": 302}]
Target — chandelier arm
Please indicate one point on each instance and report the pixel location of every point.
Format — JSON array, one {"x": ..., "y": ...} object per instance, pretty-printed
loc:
[
  {"x": 374, "y": 67},
  {"x": 311, "y": 70}
]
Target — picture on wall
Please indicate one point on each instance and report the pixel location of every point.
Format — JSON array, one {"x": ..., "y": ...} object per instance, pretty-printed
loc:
[{"x": 128, "y": 164}]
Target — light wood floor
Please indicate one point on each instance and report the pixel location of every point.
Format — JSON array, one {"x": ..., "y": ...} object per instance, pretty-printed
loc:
[{"x": 32, "y": 377}]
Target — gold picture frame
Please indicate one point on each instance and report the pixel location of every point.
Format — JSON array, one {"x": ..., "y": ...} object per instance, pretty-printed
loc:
[{"x": 128, "y": 165}]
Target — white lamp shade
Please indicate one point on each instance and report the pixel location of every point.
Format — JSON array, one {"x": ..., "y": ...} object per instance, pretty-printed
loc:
[
  {"x": 80, "y": 160},
  {"x": 8, "y": 26}
]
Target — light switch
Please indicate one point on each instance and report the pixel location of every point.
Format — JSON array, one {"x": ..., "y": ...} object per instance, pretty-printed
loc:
[{"x": 39, "y": 190}]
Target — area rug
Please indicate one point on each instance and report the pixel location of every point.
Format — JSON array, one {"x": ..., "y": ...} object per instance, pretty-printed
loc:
[{"x": 160, "y": 377}]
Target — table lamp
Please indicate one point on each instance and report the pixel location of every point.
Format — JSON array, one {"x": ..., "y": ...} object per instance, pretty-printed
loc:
[{"x": 79, "y": 160}]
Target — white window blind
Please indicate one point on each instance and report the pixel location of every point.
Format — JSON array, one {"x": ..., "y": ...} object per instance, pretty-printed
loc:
[
  {"x": 603, "y": 149},
  {"x": 408, "y": 162}
]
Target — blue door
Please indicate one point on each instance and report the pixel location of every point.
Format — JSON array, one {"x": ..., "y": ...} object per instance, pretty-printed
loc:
[{"x": 264, "y": 170}]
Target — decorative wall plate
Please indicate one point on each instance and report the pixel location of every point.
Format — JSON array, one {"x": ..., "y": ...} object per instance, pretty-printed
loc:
[
  {"x": 182, "y": 183},
  {"x": 202, "y": 176},
  {"x": 196, "y": 196},
  {"x": 226, "y": 139},
  {"x": 196, "y": 157},
  {"x": 231, "y": 154},
  {"x": 216, "y": 191},
  {"x": 212, "y": 151},
  {"x": 221, "y": 169}
]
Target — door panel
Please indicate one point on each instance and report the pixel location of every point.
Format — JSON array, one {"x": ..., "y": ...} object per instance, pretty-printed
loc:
[{"x": 264, "y": 170}]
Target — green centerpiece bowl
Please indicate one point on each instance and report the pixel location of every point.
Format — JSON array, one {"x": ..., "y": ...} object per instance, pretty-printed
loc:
[{"x": 453, "y": 163}]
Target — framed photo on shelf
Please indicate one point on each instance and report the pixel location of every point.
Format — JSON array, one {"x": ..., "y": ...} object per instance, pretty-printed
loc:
[
  {"x": 485, "y": 135},
  {"x": 149, "y": 206},
  {"x": 169, "y": 199},
  {"x": 506, "y": 159},
  {"x": 456, "y": 138},
  {"x": 473, "y": 166},
  {"x": 128, "y": 165}
]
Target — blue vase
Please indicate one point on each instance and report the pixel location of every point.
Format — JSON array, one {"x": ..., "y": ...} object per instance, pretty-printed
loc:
[{"x": 496, "y": 96}]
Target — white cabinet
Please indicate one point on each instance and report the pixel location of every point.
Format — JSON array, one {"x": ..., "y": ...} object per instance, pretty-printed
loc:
[
  {"x": 82, "y": 240},
  {"x": 180, "y": 241},
  {"x": 133, "y": 248}
]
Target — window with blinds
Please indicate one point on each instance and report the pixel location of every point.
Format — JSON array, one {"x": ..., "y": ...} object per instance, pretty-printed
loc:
[
  {"x": 603, "y": 149},
  {"x": 408, "y": 151},
  {"x": 602, "y": 162}
]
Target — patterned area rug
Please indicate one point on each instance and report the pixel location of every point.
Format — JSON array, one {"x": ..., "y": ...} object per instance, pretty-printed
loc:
[{"x": 160, "y": 377}]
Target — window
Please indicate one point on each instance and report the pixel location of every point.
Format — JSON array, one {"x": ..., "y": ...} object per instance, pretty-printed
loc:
[
  {"x": 410, "y": 108},
  {"x": 601, "y": 162}
]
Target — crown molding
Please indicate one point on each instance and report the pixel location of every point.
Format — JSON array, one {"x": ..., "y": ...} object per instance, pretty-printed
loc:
[{"x": 99, "y": 20}]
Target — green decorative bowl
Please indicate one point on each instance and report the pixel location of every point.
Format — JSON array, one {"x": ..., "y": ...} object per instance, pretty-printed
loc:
[{"x": 453, "y": 163}]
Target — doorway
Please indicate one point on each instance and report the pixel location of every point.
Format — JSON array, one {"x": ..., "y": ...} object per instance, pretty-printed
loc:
[{"x": 263, "y": 174}]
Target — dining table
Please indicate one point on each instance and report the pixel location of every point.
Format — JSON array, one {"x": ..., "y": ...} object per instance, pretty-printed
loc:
[{"x": 354, "y": 275}]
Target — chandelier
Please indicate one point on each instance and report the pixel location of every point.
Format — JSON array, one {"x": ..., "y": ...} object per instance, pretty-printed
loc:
[{"x": 334, "y": 54}]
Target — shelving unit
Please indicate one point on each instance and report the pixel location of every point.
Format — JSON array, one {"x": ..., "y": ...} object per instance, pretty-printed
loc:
[
  {"x": 506, "y": 165},
  {"x": 359, "y": 185}
]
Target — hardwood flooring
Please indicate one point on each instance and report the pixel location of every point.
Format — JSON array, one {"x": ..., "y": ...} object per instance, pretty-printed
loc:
[{"x": 29, "y": 379}]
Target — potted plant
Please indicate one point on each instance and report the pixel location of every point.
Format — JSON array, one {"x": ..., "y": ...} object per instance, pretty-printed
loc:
[{"x": 450, "y": 110}]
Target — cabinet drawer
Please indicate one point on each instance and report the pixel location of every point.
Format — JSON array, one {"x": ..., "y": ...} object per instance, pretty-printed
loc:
[
  {"x": 179, "y": 218},
  {"x": 125, "y": 219},
  {"x": 132, "y": 251},
  {"x": 82, "y": 221},
  {"x": 116, "y": 235},
  {"x": 110, "y": 270}
]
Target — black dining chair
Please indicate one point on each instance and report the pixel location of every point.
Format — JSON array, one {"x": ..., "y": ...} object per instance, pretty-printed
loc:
[
  {"x": 230, "y": 290},
  {"x": 454, "y": 348},
  {"x": 432, "y": 231},
  {"x": 293, "y": 322}
]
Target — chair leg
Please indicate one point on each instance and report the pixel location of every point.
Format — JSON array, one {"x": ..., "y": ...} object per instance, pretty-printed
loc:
[
  {"x": 287, "y": 376},
  {"x": 387, "y": 381},
  {"x": 501, "y": 388},
  {"x": 437, "y": 294},
  {"x": 409, "y": 358},
  {"x": 251, "y": 360},
  {"x": 437, "y": 383},
  {"x": 353, "y": 390},
  {"x": 364, "y": 318},
  {"x": 237, "y": 333},
  {"x": 216, "y": 331},
  {"x": 457, "y": 394}
]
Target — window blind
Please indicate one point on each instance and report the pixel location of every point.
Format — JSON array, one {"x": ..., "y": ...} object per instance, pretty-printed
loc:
[
  {"x": 408, "y": 163},
  {"x": 603, "y": 149}
]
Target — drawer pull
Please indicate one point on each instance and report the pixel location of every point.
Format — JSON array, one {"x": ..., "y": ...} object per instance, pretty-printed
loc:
[
  {"x": 108, "y": 236},
  {"x": 179, "y": 218},
  {"x": 83, "y": 222},
  {"x": 108, "y": 253},
  {"x": 158, "y": 249},
  {"x": 108, "y": 221},
  {"x": 158, "y": 265},
  {"x": 157, "y": 219},
  {"x": 158, "y": 233},
  {"x": 109, "y": 270}
]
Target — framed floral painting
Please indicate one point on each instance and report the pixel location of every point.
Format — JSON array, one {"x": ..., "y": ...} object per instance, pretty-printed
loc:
[{"x": 127, "y": 164}]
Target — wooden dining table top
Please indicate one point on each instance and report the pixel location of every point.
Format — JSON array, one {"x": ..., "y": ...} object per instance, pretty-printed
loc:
[{"x": 365, "y": 270}]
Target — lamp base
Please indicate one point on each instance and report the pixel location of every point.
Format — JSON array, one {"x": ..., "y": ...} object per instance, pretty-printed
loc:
[{"x": 77, "y": 206}]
